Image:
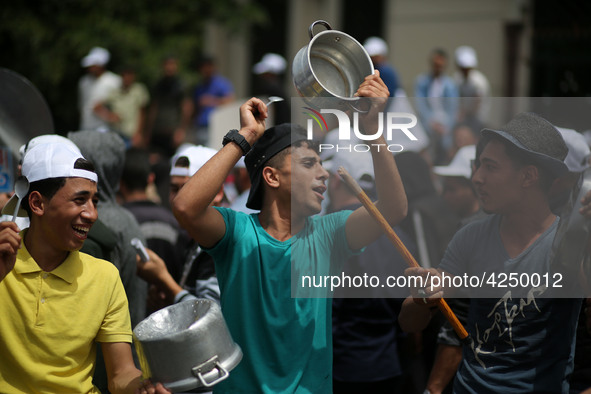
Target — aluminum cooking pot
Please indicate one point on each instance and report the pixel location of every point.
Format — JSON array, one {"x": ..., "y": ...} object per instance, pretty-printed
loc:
[
  {"x": 186, "y": 346},
  {"x": 332, "y": 65},
  {"x": 24, "y": 113}
]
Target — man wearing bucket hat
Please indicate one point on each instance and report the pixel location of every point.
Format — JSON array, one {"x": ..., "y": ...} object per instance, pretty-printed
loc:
[
  {"x": 460, "y": 195},
  {"x": 286, "y": 341},
  {"x": 57, "y": 303},
  {"x": 522, "y": 337}
]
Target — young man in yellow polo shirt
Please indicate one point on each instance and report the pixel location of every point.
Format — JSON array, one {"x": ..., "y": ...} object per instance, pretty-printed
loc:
[{"x": 57, "y": 302}]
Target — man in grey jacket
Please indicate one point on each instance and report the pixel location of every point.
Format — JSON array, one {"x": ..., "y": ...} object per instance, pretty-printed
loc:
[{"x": 107, "y": 152}]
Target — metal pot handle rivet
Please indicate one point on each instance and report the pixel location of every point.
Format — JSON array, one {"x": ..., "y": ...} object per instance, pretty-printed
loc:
[
  {"x": 207, "y": 367},
  {"x": 320, "y": 22}
]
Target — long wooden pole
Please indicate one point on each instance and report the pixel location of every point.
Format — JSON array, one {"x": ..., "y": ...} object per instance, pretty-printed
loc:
[{"x": 408, "y": 257}]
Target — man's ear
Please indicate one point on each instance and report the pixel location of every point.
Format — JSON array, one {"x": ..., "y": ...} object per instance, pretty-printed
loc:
[
  {"x": 270, "y": 177},
  {"x": 530, "y": 175},
  {"x": 36, "y": 203}
]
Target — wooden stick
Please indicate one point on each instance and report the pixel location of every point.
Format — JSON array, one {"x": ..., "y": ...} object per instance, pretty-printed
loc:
[{"x": 408, "y": 257}]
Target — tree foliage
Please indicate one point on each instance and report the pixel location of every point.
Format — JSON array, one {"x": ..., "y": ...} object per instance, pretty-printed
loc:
[{"x": 44, "y": 40}]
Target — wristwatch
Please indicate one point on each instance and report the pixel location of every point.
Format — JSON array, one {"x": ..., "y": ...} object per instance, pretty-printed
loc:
[{"x": 237, "y": 138}]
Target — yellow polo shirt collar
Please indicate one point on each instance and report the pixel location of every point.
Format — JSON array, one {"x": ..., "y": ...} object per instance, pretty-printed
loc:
[{"x": 68, "y": 270}]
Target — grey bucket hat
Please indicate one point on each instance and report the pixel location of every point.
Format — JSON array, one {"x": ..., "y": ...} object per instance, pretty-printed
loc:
[{"x": 537, "y": 138}]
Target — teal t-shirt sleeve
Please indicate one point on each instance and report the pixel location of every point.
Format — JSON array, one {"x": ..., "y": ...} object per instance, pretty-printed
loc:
[
  {"x": 229, "y": 220},
  {"x": 222, "y": 251}
]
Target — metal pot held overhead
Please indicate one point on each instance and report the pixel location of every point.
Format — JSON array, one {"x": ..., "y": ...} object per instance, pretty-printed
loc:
[
  {"x": 332, "y": 65},
  {"x": 186, "y": 346},
  {"x": 24, "y": 113}
]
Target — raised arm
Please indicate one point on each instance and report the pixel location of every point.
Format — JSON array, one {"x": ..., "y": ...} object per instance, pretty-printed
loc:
[
  {"x": 361, "y": 228},
  {"x": 192, "y": 204}
]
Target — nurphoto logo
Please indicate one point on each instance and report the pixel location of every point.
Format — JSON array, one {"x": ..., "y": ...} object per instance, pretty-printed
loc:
[{"x": 395, "y": 122}]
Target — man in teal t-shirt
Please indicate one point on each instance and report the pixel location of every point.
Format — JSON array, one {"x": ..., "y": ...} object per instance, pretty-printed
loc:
[{"x": 286, "y": 341}]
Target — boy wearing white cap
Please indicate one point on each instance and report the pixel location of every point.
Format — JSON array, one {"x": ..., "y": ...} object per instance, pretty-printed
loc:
[
  {"x": 377, "y": 49},
  {"x": 473, "y": 87},
  {"x": 57, "y": 303}
]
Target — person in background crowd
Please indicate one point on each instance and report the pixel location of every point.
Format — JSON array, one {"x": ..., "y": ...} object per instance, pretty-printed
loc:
[
  {"x": 461, "y": 197},
  {"x": 124, "y": 109},
  {"x": 242, "y": 185},
  {"x": 429, "y": 221},
  {"x": 377, "y": 49},
  {"x": 436, "y": 95},
  {"x": 212, "y": 91},
  {"x": 458, "y": 190},
  {"x": 431, "y": 225},
  {"x": 107, "y": 152},
  {"x": 269, "y": 82},
  {"x": 473, "y": 89},
  {"x": 57, "y": 301},
  {"x": 364, "y": 324},
  {"x": 158, "y": 225},
  {"x": 577, "y": 161},
  {"x": 94, "y": 87},
  {"x": 463, "y": 135},
  {"x": 198, "y": 276},
  {"x": 169, "y": 114},
  {"x": 169, "y": 119},
  {"x": 198, "y": 279}
]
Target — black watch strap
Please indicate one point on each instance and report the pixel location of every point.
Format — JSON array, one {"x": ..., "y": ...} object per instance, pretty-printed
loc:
[{"x": 237, "y": 138}]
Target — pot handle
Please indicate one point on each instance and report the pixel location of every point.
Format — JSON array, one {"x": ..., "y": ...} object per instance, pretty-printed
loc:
[
  {"x": 361, "y": 103},
  {"x": 320, "y": 22},
  {"x": 207, "y": 367}
]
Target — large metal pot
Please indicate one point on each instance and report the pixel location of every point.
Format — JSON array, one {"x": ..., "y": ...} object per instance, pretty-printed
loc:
[
  {"x": 186, "y": 346},
  {"x": 332, "y": 65}
]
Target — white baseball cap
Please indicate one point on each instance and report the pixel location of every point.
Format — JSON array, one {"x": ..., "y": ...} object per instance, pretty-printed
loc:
[
  {"x": 577, "y": 159},
  {"x": 460, "y": 165},
  {"x": 466, "y": 57},
  {"x": 358, "y": 164},
  {"x": 49, "y": 160},
  {"x": 375, "y": 46},
  {"x": 270, "y": 63},
  {"x": 45, "y": 139},
  {"x": 196, "y": 154},
  {"x": 240, "y": 163},
  {"x": 96, "y": 57}
]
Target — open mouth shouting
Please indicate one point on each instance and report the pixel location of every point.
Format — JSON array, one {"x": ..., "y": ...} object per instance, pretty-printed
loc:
[{"x": 319, "y": 190}]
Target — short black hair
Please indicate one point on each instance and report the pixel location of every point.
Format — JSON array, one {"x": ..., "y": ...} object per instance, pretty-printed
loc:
[
  {"x": 48, "y": 187},
  {"x": 277, "y": 160},
  {"x": 182, "y": 162},
  {"x": 136, "y": 169},
  {"x": 439, "y": 52}
]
